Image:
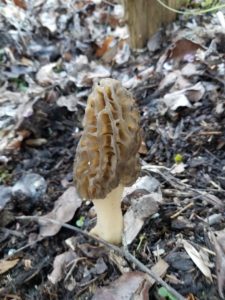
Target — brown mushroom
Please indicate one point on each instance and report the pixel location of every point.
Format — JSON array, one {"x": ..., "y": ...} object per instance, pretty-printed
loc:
[{"x": 107, "y": 157}]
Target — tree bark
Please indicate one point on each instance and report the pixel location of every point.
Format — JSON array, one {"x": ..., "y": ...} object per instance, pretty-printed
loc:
[{"x": 145, "y": 17}]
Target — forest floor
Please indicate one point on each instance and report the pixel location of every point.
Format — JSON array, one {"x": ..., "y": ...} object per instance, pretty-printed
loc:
[{"x": 51, "y": 53}]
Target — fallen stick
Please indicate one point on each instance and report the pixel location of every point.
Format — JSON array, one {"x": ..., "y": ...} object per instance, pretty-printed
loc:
[{"x": 122, "y": 252}]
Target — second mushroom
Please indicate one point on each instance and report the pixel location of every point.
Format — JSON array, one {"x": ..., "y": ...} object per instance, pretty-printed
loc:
[{"x": 107, "y": 157}]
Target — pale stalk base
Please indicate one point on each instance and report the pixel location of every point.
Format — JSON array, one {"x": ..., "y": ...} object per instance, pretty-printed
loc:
[{"x": 109, "y": 225}]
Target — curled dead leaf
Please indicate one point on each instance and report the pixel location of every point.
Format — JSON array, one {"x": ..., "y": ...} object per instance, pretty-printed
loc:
[
  {"x": 63, "y": 211},
  {"x": 182, "y": 48},
  {"x": 197, "y": 259}
]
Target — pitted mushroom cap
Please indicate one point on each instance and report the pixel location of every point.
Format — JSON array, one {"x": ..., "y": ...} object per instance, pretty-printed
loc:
[{"x": 107, "y": 153}]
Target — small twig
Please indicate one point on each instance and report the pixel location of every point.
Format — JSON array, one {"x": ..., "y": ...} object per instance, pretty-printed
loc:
[
  {"x": 177, "y": 193},
  {"x": 74, "y": 263},
  {"x": 173, "y": 181},
  {"x": 21, "y": 249},
  {"x": 221, "y": 19},
  {"x": 154, "y": 167},
  {"x": 108, "y": 3},
  {"x": 158, "y": 279},
  {"x": 76, "y": 229},
  {"x": 210, "y": 133},
  {"x": 192, "y": 11},
  {"x": 203, "y": 195},
  {"x": 213, "y": 156},
  {"x": 181, "y": 210},
  {"x": 123, "y": 252},
  {"x": 12, "y": 232}
]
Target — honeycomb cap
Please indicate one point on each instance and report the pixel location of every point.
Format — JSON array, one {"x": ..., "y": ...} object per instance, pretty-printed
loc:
[{"x": 107, "y": 153}]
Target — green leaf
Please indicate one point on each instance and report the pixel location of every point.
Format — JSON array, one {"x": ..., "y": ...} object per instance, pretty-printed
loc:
[
  {"x": 80, "y": 222},
  {"x": 165, "y": 294},
  {"x": 4, "y": 176},
  {"x": 20, "y": 84},
  {"x": 178, "y": 158}
]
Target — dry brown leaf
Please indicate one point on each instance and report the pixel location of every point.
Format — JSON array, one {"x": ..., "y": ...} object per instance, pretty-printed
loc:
[
  {"x": 182, "y": 48},
  {"x": 140, "y": 209},
  {"x": 70, "y": 102},
  {"x": 155, "y": 42},
  {"x": 169, "y": 80},
  {"x": 146, "y": 183},
  {"x": 13, "y": 13},
  {"x": 48, "y": 19},
  {"x": 131, "y": 285},
  {"x": 120, "y": 262},
  {"x": 123, "y": 53},
  {"x": 219, "y": 244},
  {"x": 175, "y": 100},
  {"x": 59, "y": 266},
  {"x": 105, "y": 46},
  {"x": 63, "y": 211},
  {"x": 196, "y": 92},
  {"x": 197, "y": 259},
  {"x": 191, "y": 297},
  {"x": 6, "y": 265},
  {"x": 20, "y": 3},
  {"x": 214, "y": 200},
  {"x": 132, "y": 226},
  {"x": 36, "y": 142},
  {"x": 143, "y": 148},
  {"x": 178, "y": 168},
  {"x": 190, "y": 70},
  {"x": 46, "y": 75},
  {"x": 15, "y": 144},
  {"x": 183, "y": 97},
  {"x": 14, "y": 107}
]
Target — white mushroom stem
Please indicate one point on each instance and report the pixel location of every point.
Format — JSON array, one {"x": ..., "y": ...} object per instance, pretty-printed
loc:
[{"x": 109, "y": 217}]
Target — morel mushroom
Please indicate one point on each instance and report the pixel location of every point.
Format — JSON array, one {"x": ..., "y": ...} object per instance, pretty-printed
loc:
[{"x": 107, "y": 157}]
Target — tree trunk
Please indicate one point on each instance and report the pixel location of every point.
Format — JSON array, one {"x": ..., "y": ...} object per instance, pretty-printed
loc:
[{"x": 145, "y": 17}]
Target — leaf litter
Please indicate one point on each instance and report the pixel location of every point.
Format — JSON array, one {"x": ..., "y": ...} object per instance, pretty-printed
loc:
[{"x": 51, "y": 52}]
